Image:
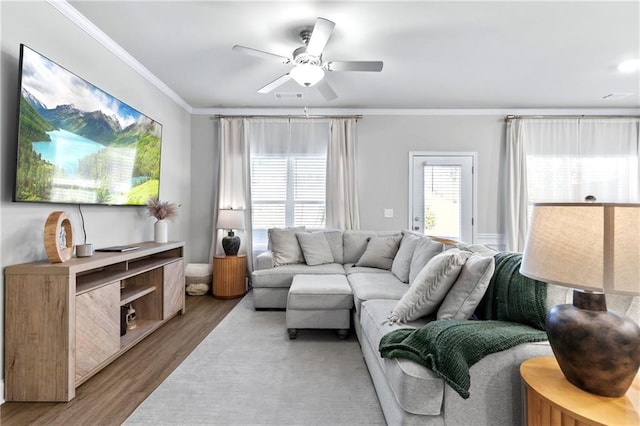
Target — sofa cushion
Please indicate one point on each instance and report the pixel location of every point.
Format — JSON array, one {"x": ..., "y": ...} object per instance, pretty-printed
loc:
[
  {"x": 430, "y": 286},
  {"x": 284, "y": 245},
  {"x": 375, "y": 285},
  {"x": 281, "y": 276},
  {"x": 380, "y": 252},
  {"x": 416, "y": 389},
  {"x": 402, "y": 261},
  {"x": 315, "y": 248},
  {"x": 465, "y": 294},
  {"x": 425, "y": 250},
  {"x": 355, "y": 243},
  {"x": 319, "y": 292},
  {"x": 350, "y": 268}
]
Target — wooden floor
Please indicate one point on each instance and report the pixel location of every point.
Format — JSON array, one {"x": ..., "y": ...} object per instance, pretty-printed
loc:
[{"x": 112, "y": 395}]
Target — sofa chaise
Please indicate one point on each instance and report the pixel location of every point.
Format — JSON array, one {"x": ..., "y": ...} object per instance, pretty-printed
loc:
[{"x": 384, "y": 269}]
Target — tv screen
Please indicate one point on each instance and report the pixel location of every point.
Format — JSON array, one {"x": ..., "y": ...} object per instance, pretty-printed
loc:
[{"x": 79, "y": 145}]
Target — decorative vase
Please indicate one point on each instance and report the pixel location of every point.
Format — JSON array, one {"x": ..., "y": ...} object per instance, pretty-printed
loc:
[{"x": 161, "y": 231}]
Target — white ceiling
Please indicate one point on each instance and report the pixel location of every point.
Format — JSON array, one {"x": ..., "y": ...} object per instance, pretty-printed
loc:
[{"x": 437, "y": 54}]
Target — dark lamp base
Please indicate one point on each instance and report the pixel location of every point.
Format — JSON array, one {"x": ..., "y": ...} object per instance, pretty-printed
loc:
[
  {"x": 597, "y": 350},
  {"x": 231, "y": 244}
]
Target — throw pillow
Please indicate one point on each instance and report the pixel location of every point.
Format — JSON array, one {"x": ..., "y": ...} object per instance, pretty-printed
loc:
[
  {"x": 466, "y": 293},
  {"x": 380, "y": 252},
  {"x": 430, "y": 286},
  {"x": 402, "y": 261},
  {"x": 334, "y": 238},
  {"x": 425, "y": 250},
  {"x": 284, "y": 245},
  {"x": 315, "y": 248}
]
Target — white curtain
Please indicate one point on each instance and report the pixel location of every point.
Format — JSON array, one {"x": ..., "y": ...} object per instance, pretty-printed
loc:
[
  {"x": 287, "y": 136},
  {"x": 277, "y": 141},
  {"x": 516, "y": 185},
  {"x": 233, "y": 183},
  {"x": 566, "y": 159},
  {"x": 342, "y": 198}
]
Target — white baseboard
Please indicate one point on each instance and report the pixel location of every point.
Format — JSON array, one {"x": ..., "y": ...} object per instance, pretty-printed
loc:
[
  {"x": 1, "y": 392},
  {"x": 495, "y": 241}
]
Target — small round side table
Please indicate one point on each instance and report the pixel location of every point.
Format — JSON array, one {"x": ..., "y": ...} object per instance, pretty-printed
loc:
[
  {"x": 549, "y": 399},
  {"x": 229, "y": 273}
]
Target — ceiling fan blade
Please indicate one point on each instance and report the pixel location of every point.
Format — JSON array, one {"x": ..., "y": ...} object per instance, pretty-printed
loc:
[
  {"x": 325, "y": 90},
  {"x": 275, "y": 83},
  {"x": 261, "y": 54},
  {"x": 373, "y": 66},
  {"x": 320, "y": 36}
]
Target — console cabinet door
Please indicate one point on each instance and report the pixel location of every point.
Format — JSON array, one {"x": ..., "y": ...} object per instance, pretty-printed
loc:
[
  {"x": 173, "y": 286},
  {"x": 97, "y": 327}
]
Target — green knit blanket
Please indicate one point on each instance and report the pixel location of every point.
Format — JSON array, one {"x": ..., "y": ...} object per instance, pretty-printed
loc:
[
  {"x": 513, "y": 310},
  {"x": 451, "y": 347}
]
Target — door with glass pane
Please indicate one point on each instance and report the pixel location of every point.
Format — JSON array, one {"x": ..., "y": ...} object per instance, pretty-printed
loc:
[{"x": 442, "y": 194}]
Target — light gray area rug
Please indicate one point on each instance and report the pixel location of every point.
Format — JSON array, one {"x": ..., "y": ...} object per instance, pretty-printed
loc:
[{"x": 248, "y": 372}]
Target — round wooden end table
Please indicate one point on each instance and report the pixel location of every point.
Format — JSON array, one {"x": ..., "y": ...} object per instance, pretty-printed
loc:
[
  {"x": 549, "y": 399},
  {"x": 229, "y": 274}
]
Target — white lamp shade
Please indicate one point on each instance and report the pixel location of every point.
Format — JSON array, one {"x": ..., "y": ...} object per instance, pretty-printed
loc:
[
  {"x": 589, "y": 246},
  {"x": 307, "y": 74},
  {"x": 230, "y": 219}
]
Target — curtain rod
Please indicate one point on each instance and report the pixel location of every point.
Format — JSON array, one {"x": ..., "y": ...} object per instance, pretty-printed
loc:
[
  {"x": 513, "y": 117},
  {"x": 357, "y": 117}
]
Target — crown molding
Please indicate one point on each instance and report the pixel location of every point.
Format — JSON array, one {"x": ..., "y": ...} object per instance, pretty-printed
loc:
[
  {"x": 415, "y": 112},
  {"x": 92, "y": 30}
]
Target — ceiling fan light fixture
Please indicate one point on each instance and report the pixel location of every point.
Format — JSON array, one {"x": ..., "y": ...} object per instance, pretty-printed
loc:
[
  {"x": 630, "y": 65},
  {"x": 307, "y": 74}
]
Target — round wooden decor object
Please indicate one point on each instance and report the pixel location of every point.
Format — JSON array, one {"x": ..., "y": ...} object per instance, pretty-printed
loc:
[{"x": 58, "y": 237}]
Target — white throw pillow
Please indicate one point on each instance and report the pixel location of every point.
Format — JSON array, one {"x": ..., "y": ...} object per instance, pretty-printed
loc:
[
  {"x": 334, "y": 238},
  {"x": 468, "y": 290},
  {"x": 402, "y": 262},
  {"x": 425, "y": 250},
  {"x": 315, "y": 248},
  {"x": 380, "y": 252},
  {"x": 430, "y": 286},
  {"x": 284, "y": 246}
]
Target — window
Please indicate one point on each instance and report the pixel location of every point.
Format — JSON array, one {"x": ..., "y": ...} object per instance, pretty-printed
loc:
[
  {"x": 572, "y": 158},
  {"x": 442, "y": 195},
  {"x": 288, "y": 161},
  {"x": 286, "y": 191}
]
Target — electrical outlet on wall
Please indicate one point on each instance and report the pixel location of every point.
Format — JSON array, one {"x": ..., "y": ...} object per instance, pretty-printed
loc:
[{"x": 388, "y": 212}]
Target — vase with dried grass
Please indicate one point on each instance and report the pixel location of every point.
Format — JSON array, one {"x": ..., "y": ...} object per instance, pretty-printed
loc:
[{"x": 162, "y": 211}]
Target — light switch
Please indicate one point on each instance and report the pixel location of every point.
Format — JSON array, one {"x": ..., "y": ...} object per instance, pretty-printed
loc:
[{"x": 388, "y": 212}]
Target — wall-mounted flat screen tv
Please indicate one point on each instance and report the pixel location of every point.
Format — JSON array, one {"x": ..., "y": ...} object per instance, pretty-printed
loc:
[{"x": 79, "y": 145}]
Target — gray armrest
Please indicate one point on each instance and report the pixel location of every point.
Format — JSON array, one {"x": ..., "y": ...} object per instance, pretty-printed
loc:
[{"x": 264, "y": 260}]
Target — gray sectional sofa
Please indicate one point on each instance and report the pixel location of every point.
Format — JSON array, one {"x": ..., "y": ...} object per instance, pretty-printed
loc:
[{"x": 410, "y": 393}]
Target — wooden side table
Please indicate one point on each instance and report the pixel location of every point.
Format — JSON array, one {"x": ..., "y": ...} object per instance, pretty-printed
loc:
[
  {"x": 229, "y": 274},
  {"x": 549, "y": 399}
]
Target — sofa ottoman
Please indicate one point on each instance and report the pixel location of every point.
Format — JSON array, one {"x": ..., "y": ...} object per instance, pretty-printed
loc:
[{"x": 319, "y": 301}]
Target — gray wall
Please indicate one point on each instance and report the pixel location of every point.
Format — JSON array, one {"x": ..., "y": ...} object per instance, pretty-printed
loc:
[
  {"x": 204, "y": 178},
  {"x": 383, "y": 147},
  {"x": 44, "y": 29},
  {"x": 384, "y": 143}
]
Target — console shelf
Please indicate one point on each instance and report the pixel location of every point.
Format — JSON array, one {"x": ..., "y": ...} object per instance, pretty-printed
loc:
[
  {"x": 128, "y": 295},
  {"x": 62, "y": 320}
]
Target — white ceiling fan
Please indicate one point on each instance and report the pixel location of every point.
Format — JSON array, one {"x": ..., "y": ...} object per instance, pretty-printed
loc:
[{"x": 309, "y": 69}]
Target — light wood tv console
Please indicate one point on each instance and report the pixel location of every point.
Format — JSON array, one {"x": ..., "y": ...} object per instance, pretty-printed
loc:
[{"x": 62, "y": 320}]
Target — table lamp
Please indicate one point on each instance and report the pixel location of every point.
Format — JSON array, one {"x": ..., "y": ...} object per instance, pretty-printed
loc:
[
  {"x": 231, "y": 219},
  {"x": 593, "y": 248}
]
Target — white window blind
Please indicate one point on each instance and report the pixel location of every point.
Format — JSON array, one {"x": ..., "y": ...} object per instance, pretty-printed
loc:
[
  {"x": 287, "y": 191},
  {"x": 442, "y": 200}
]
